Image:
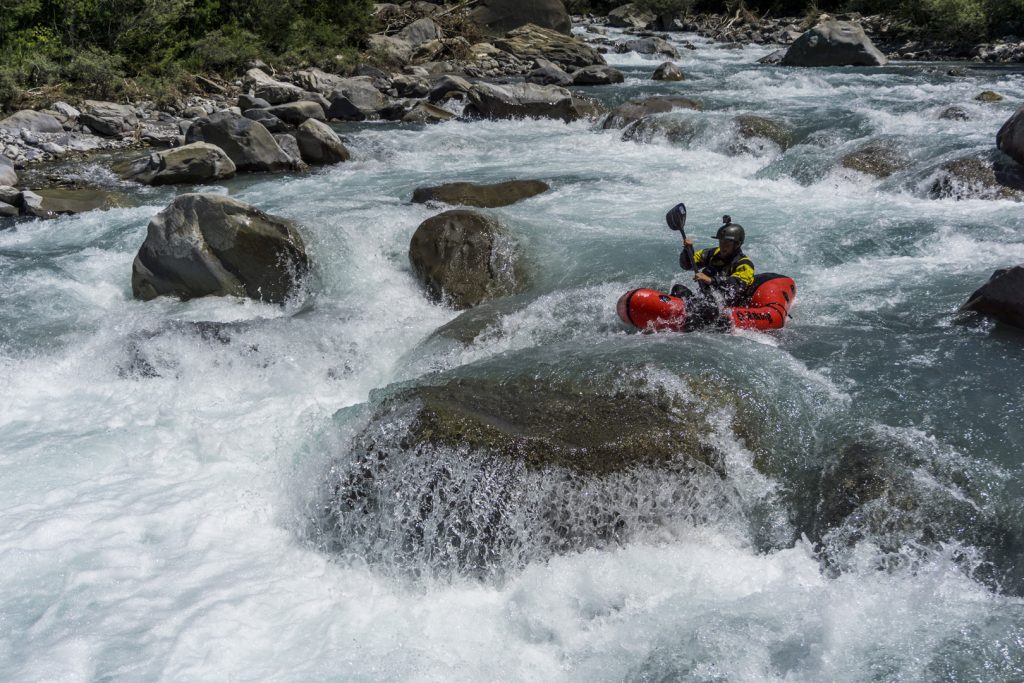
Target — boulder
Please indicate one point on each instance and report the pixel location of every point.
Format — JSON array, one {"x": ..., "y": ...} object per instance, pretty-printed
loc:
[
  {"x": 8, "y": 210},
  {"x": 597, "y": 75},
  {"x": 531, "y": 42},
  {"x": 8, "y": 176},
  {"x": 631, "y": 16},
  {"x": 390, "y": 49},
  {"x": 879, "y": 160},
  {"x": 989, "y": 96},
  {"x": 295, "y": 113},
  {"x": 548, "y": 73},
  {"x": 52, "y": 202},
  {"x": 955, "y": 114},
  {"x": 667, "y": 71},
  {"x": 973, "y": 178},
  {"x": 247, "y": 143},
  {"x": 421, "y": 31},
  {"x": 483, "y": 196},
  {"x": 1010, "y": 138},
  {"x": 463, "y": 258},
  {"x": 319, "y": 144},
  {"x": 673, "y": 129},
  {"x": 317, "y": 80},
  {"x": 211, "y": 245},
  {"x": 270, "y": 89},
  {"x": 447, "y": 87},
  {"x": 749, "y": 126},
  {"x": 773, "y": 58},
  {"x": 34, "y": 121},
  {"x": 356, "y": 99},
  {"x": 524, "y": 100},
  {"x": 428, "y": 53},
  {"x": 424, "y": 112},
  {"x": 247, "y": 102},
  {"x": 198, "y": 162},
  {"x": 290, "y": 146},
  {"x": 497, "y": 17},
  {"x": 108, "y": 118},
  {"x": 834, "y": 43},
  {"x": 634, "y": 110},
  {"x": 66, "y": 111},
  {"x": 9, "y": 194},
  {"x": 648, "y": 46},
  {"x": 410, "y": 86},
  {"x": 1002, "y": 297},
  {"x": 266, "y": 119}
]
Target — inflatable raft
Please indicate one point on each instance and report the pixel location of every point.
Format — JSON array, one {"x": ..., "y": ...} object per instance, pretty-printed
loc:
[{"x": 767, "y": 308}]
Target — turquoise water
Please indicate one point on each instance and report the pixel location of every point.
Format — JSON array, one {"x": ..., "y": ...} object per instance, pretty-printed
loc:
[{"x": 160, "y": 484}]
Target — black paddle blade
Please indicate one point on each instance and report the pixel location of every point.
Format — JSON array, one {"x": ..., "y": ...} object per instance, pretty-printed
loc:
[{"x": 676, "y": 217}]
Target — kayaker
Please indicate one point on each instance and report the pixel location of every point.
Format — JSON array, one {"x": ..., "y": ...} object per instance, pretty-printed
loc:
[{"x": 723, "y": 274}]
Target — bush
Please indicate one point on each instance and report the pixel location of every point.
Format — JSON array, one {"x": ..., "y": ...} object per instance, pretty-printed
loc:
[
  {"x": 99, "y": 72},
  {"x": 225, "y": 51}
]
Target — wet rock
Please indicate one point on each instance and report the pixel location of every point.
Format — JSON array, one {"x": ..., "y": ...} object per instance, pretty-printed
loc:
[
  {"x": 198, "y": 162},
  {"x": 526, "y": 100},
  {"x": 989, "y": 96},
  {"x": 773, "y": 58},
  {"x": 421, "y": 31},
  {"x": 266, "y": 119},
  {"x": 973, "y": 178},
  {"x": 634, "y": 110},
  {"x": 247, "y": 102},
  {"x": 672, "y": 129},
  {"x": 597, "y": 75},
  {"x": 319, "y": 144},
  {"x": 390, "y": 48},
  {"x": 295, "y": 113},
  {"x": 356, "y": 99},
  {"x": 424, "y": 112},
  {"x": 955, "y": 114},
  {"x": 749, "y": 126},
  {"x": 548, "y": 73},
  {"x": 1002, "y": 297},
  {"x": 631, "y": 16},
  {"x": 247, "y": 143},
  {"x": 410, "y": 86},
  {"x": 648, "y": 46},
  {"x": 33, "y": 121},
  {"x": 834, "y": 43},
  {"x": 1010, "y": 138},
  {"x": 53, "y": 202},
  {"x": 482, "y": 196},
  {"x": 877, "y": 160},
  {"x": 497, "y": 17},
  {"x": 667, "y": 71},
  {"x": 8, "y": 176},
  {"x": 448, "y": 86},
  {"x": 463, "y": 258},
  {"x": 270, "y": 89},
  {"x": 108, "y": 118},
  {"x": 211, "y": 245},
  {"x": 531, "y": 42}
]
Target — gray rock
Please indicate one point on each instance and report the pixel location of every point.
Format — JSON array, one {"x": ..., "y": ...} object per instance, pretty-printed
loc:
[
  {"x": 525, "y": 100},
  {"x": 268, "y": 120},
  {"x": 8, "y": 210},
  {"x": 295, "y": 113},
  {"x": 634, "y": 110},
  {"x": 955, "y": 114},
  {"x": 973, "y": 178},
  {"x": 9, "y": 194},
  {"x": 1010, "y": 138},
  {"x": 421, "y": 31},
  {"x": 1002, "y": 297},
  {"x": 988, "y": 96},
  {"x": 356, "y": 99},
  {"x": 447, "y": 86},
  {"x": 290, "y": 146},
  {"x": 498, "y": 17},
  {"x": 33, "y": 121},
  {"x": 879, "y": 160},
  {"x": 548, "y": 73},
  {"x": 667, "y": 71},
  {"x": 648, "y": 46},
  {"x": 390, "y": 49},
  {"x": 199, "y": 162},
  {"x": 317, "y": 80},
  {"x": 247, "y": 143},
  {"x": 270, "y": 89},
  {"x": 773, "y": 58},
  {"x": 319, "y": 144},
  {"x": 481, "y": 196},
  {"x": 52, "y": 202},
  {"x": 410, "y": 86},
  {"x": 834, "y": 43},
  {"x": 67, "y": 111},
  {"x": 597, "y": 75},
  {"x": 631, "y": 16},
  {"x": 211, "y": 245},
  {"x": 530, "y": 42},
  {"x": 8, "y": 176},
  {"x": 108, "y": 118},
  {"x": 463, "y": 258},
  {"x": 246, "y": 102},
  {"x": 749, "y": 126},
  {"x": 425, "y": 112}
]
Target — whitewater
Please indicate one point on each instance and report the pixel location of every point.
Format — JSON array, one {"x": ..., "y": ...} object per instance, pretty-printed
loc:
[{"x": 163, "y": 464}]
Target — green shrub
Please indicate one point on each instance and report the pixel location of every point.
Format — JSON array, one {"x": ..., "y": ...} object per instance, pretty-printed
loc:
[
  {"x": 225, "y": 51},
  {"x": 100, "y": 74}
]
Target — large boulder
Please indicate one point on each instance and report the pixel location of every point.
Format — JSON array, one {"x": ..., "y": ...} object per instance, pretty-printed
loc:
[
  {"x": 199, "y": 162},
  {"x": 751, "y": 127},
  {"x": 356, "y": 99},
  {"x": 631, "y": 16},
  {"x": 53, "y": 202},
  {"x": 548, "y": 73},
  {"x": 266, "y": 119},
  {"x": 449, "y": 86},
  {"x": 483, "y": 196},
  {"x": 634, "y": 110},
  {"x": 319, "y": 144},
  {"x": 597, "y": 75},
  {"x": 879, "y": 160},
  {"x": 8, "y": 176},
  {"x": 463, "y": 257},
  {"x": 317, "y": 80},
  {"x": 1002, "y": 297},
  {"x": 390, "y": 48},
  {"x": 247, "y": 143},
  {"x": 421, "y": 31},
  {"x": 108, "y": 118},
  {"x": 270, "y": 89},
  {"x": 498, "y": 17},
  {"x": 531, "y": 42},
  {"x": 667, "y": 71},
  {"x": 211, "y": 245},
  {"x": 34, "y": 121},
  {"x": 648, "y": 46},
  {"x": 973, "y": 178},
  {"x": 424, "y": 112},
  {"x": 1010, "y": 138},
  {"x": 526, "y": 100},
  {"x": 834, "y": 43},
  {"x": 295, "y": 113}
]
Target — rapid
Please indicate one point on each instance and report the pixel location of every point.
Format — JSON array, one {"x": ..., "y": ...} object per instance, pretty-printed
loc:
[{"x": 163, "y": 465}]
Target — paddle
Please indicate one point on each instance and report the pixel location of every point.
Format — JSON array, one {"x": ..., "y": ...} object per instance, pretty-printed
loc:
[{"x": 676, "y": 219}]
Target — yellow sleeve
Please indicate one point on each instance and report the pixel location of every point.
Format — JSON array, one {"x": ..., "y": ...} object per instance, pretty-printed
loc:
[
  {"x": 744, "y": 273},
  {"x": 698, "y": 257}
]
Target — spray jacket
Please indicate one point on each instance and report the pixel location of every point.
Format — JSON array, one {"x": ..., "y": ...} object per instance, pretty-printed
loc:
[{"x": 731, "y": 276}]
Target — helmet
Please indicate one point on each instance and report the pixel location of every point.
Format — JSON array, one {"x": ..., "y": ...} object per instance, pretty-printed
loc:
[{"x": 731, "y": 231}]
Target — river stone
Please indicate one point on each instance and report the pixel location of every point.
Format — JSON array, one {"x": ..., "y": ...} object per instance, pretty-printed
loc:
[
  {"x": 548, "y": 73},
  {"x": 295, "y": 113},
  {"x": 955, "y": 114},
  {"x": 406, "y": 85},
  {"x": 390, "y": 48},
  {"x": 8, "y": 210},
  {"x": 270, "y": 89},
  {"x": 247, "y": 102},
  {"x": 878, "y": 160},
  {"x": 834, "y": 43},
  {"x": 266, "y": 119},
  {"x": 317, "y": 80},
  {"x": 526, "y": 100},
  {"x": 631, "y": 16},
  {"x": 356, "y": 97},
  {"x": 247, "y": 143},
  {"x": 211, "y": 245},
  {"x": 53, "y": 202},
  {"x": 973, "y": 178},
  {"x": 1002, "y": 297},
  {"x": 421, "y": 31},
  {"x": 750, "y": 126},
  {"x": 290, "y": 146},
  {"x": 482, "y": 196},
  {"x": 667, "y": 71},
  {"x": 648, "y": 46},
  {"x": 1010, "y": 138},
  {"x": 108, "y": 118},
  {"x": 448, "y": 86},
  {"x": 319, "y": 144},
  {"x": 67, "y": 111},
  {"x": 634, "y": 110},
  {"x": 198, "y": 162},
  {"x": 531, "y": 42},
  {"x": 8, "y": 176},
  {"x": 34, "y": 121},
  {"x": 673, "y": 129},
  {"x": 463, "y": 258},
  {"x": 9, "y": 194},
  {"x": 774, "y": 58},
  {"x": 497, "y": 17},
  {"x": 989, "y": 96},
  {"x": 597, "y": 75},
  {"x": 424, "y": 112}
]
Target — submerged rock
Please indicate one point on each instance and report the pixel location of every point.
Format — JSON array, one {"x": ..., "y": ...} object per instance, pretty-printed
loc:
[
  {"x": 955, "y": 114},
  {"x": 463, "y": 257},
  {"x": 877, "y": 160},
  {"x": 673, "y": 129},
  {"x": 667, "y": 71},
  {"x": 1002, "y": 297},
  {"x": 198, "y": 162},
  {"x": 834, "y": 43},
  {"x": 211, "y": 245},
  {"x": 973, "y": 178},
  {"x": 634, "y": 110},
  {"x": 989, "y": 96},
  {"x": 749, "y": 126},
  {"x": 482, "y": 196}
]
